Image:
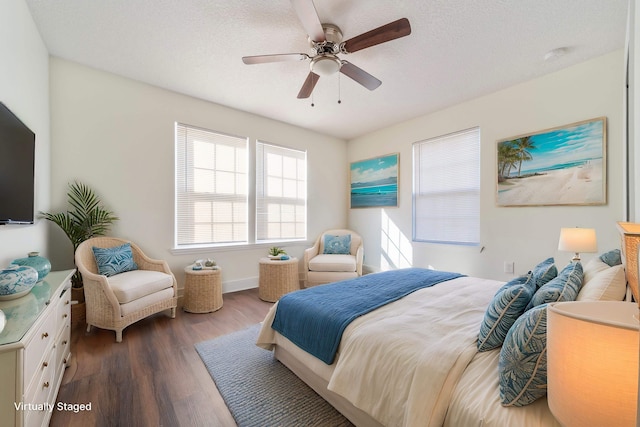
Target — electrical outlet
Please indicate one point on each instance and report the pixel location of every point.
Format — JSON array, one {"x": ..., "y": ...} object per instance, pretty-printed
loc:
[{"x": 509, "y": 267}]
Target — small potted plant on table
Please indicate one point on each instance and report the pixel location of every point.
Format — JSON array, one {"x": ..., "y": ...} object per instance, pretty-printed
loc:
[{"x": 277, "y": 253}]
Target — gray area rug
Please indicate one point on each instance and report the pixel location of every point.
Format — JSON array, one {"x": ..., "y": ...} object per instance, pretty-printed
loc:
[{"x": 259, "y": 390}]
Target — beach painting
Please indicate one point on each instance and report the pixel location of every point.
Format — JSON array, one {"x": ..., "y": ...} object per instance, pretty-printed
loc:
[
  {"x": 559, "y": 166},
  {"x": 374, "y": 182}
]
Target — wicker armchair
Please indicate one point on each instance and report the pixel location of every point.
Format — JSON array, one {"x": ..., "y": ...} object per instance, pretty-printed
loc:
[
  {"x": 321, "y": 267},
  {"x": 117, "y": 301}
]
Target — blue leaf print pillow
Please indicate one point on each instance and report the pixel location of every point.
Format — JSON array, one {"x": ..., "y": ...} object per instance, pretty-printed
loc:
[
  {"x": 522, "y": 367},
  {"x": 507, "y": 305},
  {"x": 611, "y": 258},
  {"x": 337, "y": 244},
  {"x": 565, "y": 287},
  {"x": 544, "y": 272},
  {"x": 112, "y": 261}
]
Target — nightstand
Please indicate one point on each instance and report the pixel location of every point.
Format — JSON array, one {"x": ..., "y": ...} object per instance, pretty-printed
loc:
[
  {"x": 202, "y": 290},
  {"x": 277, "y": 277}
]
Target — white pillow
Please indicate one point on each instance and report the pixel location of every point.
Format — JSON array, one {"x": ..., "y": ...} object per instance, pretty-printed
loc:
[
  {"x": 592, "y": 268},
  {"x": 607, "y": 285}
]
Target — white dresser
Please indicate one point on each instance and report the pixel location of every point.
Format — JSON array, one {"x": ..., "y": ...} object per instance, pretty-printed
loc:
[{"x": 34, "y": 351}]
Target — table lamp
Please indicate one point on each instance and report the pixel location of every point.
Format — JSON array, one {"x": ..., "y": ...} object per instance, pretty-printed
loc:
[
  {"x": 577, "y": 240},
  {"x": 592, "y": 363}
]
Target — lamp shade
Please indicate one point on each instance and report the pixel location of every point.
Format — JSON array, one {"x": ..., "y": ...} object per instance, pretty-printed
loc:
[
  {"x": 592, "y": 363},
  {"x": 578, "y": 240}
]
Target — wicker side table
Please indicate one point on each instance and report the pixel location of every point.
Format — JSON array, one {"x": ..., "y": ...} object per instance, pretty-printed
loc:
[
  {"x": 277, "y": 277},
  {"x": 202, "y": 290}
]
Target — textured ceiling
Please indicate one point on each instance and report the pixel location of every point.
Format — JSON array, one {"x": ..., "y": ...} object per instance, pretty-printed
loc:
[{"x": 458, "y": 50}]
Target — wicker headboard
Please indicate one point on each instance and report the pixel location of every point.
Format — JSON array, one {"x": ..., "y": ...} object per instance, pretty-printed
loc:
[{"x": 629, "y": 240}]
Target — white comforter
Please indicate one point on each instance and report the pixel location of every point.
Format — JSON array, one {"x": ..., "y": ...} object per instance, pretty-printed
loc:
[{"x": 401, "y": 362}]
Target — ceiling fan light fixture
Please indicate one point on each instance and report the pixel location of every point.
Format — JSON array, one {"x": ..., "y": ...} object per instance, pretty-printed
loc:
[{"x": 325, "y": 65}]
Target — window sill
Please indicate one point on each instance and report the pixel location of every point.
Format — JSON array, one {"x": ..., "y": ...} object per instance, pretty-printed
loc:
[{"x": 202, "y": 249}]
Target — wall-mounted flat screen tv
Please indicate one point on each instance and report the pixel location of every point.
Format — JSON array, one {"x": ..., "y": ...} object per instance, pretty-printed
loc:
[{"x": 17, "y": 168}]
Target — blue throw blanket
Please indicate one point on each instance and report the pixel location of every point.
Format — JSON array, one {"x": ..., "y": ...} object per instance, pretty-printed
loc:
[{"x": 315, "y": 318}]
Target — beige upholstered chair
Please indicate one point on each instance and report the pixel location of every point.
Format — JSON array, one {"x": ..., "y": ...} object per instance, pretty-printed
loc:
[
  {"x": 117, "y": 301},
  {"x": 321, "y": 267}
]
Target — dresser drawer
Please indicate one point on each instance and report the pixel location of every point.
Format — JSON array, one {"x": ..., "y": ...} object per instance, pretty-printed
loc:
[
  {"x": 40, "y": 345},
  {"x": 39, "y": 391},
  {"x": 63, "y": 345},
  {"x": 64, "y": 310}
]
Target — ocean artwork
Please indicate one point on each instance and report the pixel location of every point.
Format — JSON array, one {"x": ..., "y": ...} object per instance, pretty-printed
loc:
[
  {"x": 374, "y": 182},
  {"x": 559, "y": 166}
]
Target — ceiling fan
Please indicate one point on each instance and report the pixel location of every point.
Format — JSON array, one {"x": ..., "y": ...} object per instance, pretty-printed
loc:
[{"x": 326, "y": 42}]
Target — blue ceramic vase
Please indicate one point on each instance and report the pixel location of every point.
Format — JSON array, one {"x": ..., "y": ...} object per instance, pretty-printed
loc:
[
  {"x": 40, "y": 264},
  {"x": 16, "y": 281}
]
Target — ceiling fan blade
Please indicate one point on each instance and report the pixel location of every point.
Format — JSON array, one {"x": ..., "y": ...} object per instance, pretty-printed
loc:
[
  {"x": 263, "y": 59},
  {"x": 359, "y": 75},
  {"x": 308, "y": 16},
  {"x": 391, "y": 31},
  {"x": 309, "y": 84}
]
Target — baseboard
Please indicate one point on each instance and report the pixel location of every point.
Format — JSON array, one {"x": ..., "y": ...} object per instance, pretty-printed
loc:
[
  {"x": 368, "y": 269},
  {"x": 247, "y": 283},
  {"x": 239, "y": 285}
]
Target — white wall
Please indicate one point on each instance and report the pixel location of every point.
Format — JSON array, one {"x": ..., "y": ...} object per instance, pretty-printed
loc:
[
  {"x": 117, "y": 135},
  {"x": 24, "y": 89},
  {"x": 524, "y": 235}
]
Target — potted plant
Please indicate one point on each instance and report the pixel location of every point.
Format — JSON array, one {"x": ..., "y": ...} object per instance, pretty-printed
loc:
[
  {"x": 276, "y": 252},
  {"x": 88, "y": 218}
]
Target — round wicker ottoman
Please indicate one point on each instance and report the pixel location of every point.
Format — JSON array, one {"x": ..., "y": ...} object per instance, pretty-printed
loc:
[
  {"x": 202, "y": 290},
  {"x": 277, "y": 277}
]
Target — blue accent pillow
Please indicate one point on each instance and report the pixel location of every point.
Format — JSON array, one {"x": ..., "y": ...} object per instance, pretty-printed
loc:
[
  {"x": 337, "y": 244},
  {"x": 565, "y": 287},
  {"x": 522, "y": 367},
  {"x": 544, "y": 272},
  {"x": 505, "y": 308},
  {"x": 611, "y": 258},
  {"x": 115, "y": 260}
]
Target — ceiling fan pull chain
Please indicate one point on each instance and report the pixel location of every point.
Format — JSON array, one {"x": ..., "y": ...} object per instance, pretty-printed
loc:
[
  {"x": 339, "y": 96},
  {"x": 312, "y": 85}
]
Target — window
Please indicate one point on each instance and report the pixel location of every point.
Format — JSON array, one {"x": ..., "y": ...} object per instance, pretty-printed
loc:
[
  {"x": 214, "y": 183},
  {"x": 211, "y": 187},
  {"x": 446, "y": 189},
  {"x": 281, "y": 193}
]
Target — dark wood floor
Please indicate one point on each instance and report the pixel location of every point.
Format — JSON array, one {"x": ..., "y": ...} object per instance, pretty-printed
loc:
[{"x": 154, "y": 377}]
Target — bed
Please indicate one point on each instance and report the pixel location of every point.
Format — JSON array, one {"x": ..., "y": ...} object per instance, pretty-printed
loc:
[{"x": 415, "y": 361}]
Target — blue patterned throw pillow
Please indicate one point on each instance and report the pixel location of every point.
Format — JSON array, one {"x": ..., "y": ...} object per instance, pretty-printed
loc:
[
  {"x": 522, "y": 367},
  {"x": 337, "y": 244},
  {"x": 544, "y": 272},
  {"x": 505, "y": 308},
  {"x": 611, "y": 258},
  {"x": 111, "y": 261},
  {"x": 565, "y": 287}
]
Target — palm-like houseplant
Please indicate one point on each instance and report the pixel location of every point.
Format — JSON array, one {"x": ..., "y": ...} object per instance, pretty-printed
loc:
[{"x": 87, "y": 219}]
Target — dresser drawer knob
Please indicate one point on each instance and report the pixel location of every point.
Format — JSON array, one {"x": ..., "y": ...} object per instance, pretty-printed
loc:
[
  {"x": 45, "y": 364},
  {"x": 64, "y": 342},
  {"x": 45, "y": 385},
  {"x": 45, "y": 335},
  {"x": 64, "y": 316},
  {"x": 66, "y": 302}
]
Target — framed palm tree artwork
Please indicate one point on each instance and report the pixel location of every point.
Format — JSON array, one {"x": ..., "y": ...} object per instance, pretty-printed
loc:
[{"x": 565, "y": 165}]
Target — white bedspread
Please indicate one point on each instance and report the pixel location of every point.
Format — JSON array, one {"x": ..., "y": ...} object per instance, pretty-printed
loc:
[{"x": 401, "y": 362}]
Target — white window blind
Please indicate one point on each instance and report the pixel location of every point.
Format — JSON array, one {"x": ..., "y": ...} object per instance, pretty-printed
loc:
[
  {"x": 211, "y": 187},
  {"x": 281, "y": 193},
  {"x": 446, "y": 190}
]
